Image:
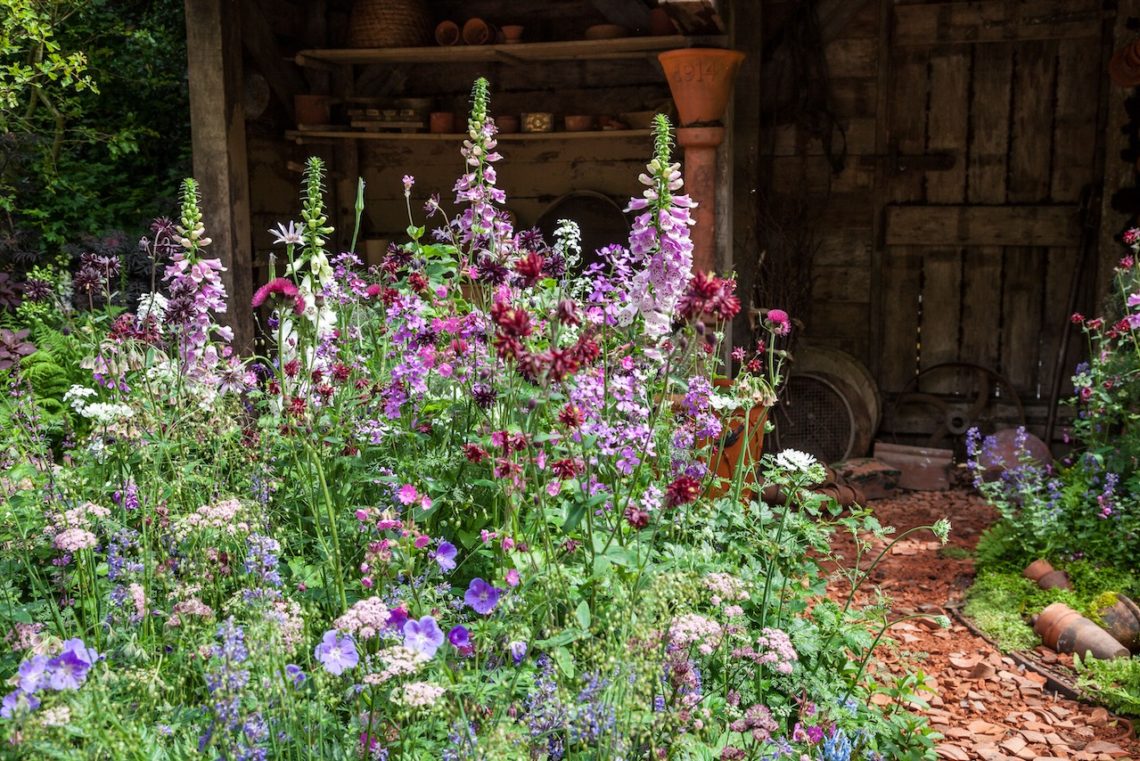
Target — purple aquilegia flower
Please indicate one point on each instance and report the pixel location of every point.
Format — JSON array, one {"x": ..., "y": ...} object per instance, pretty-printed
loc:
[
  {"x": 517, "y": 650},
  {"x": 481, "y": 596},
  {"x": 423, "y": 636},
  {"x": 445, "y": 556},
  {"x": 336, "y": 654}
]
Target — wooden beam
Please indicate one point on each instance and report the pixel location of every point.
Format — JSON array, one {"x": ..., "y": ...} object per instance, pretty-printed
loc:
[
  {"x": 1037, "y": 225},
  {"x": 217, "y": 119},
  {"x": 261, "y": 44},
  {"x": 996, "y": 21}
]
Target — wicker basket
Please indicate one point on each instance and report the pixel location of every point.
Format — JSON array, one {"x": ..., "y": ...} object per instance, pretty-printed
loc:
[{"x": 389, "y": 24}]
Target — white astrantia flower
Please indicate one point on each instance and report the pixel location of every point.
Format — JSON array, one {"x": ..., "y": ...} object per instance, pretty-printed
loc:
[{"x": 795, "y": 461}]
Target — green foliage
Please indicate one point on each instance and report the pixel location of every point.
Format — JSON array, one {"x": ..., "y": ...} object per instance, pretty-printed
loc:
[
  {"x": 1115, "y": 683},
  {"x": 95, "y": 124},
  {"x": 999, "y": 548},
  {"x": 996, "y": 604}
]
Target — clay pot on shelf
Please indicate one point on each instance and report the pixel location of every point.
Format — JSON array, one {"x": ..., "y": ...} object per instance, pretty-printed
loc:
[
  {"x": 507, "y": 123},
  {"x": 538, "y": 121},
  {"x": 478, "y": 32},
  {"x": 512, "y": 34},
  {"x": 447, "y": 34},
  {"x": 660, "y": 25},
  {"x": 579, "y": 123},
  {"x": 700, "y": 80},
  {"x": 1037, "y": 569},
  {"x": 442, "y": 122},
  {"x": 1122, "y": 621},
  {"x": 312, "y": 109},
  {"x": 1067, "y": 631}
]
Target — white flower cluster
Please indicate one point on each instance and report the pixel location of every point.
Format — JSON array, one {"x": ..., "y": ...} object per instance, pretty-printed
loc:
[
  {"x": 795, "y": 461},
  {"x": 103, "y": 413},
  {"x": 152, "y": 305}
]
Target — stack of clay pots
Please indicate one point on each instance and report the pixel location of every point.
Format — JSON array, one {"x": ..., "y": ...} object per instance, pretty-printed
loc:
[
  {"x": 1067, "y": 631},
  {"x": 1046, "y": 576}
]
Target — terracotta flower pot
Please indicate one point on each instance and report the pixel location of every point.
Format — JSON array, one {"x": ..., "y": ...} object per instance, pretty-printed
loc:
[
  {"x": 442, "y": 122},
  {"x": 1055, "y": 580},
  {"x": 723, "y": 461},
  {"x": 736, "y": 441},
  {"x": 1067, "y": 631},
  {"x": 1037, "y": 569},
  {"x": 700, "y": 80},
  {"x": 447, "y": 33},
  {"x": 312, "y": 109},
  {"x": 660, "y": 25},
  {"x": 1122, "y": 621},
  {"x": 477, "y": 32}
]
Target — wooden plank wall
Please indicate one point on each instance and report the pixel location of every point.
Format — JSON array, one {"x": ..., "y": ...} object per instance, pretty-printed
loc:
[{"x": 922, "y": 263}]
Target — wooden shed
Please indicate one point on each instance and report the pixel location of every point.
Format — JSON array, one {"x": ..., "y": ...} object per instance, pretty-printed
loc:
[{"x": 920, "y": 182}]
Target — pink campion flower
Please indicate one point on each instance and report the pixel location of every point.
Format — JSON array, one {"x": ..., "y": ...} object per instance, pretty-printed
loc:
[
  {"x": 512, "y": 578},
  {"x": 407, "y": 494},
  {"x": 487, "y": 536},
  {"x": 422, "y": 541}
]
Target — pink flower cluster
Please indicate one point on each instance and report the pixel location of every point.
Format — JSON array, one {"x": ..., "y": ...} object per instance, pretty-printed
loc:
[
  {"x": 694, "y": 629},
  {"x": 725, "y": 588},
  {"x": 227, "y": 516},
  {"x": 773, "y": 648},
  {"x": 365, "y": 619}
]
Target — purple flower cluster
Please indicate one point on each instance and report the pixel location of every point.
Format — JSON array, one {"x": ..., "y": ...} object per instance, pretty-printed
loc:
[
  {"x": 261, "y": 564},
  {"x": 238, "y": 734},
  {"x": 659, "y": 242},
  {"x": 66, "y": 671}
]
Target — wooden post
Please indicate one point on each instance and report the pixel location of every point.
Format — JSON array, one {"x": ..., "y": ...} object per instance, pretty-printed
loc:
[
  {"x": 213, "y": 42},
  {"x": 740, "y": 240},
  {"x": 1119, "y": 174}
]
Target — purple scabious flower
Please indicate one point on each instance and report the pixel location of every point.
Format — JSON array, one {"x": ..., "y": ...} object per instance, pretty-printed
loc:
[
  {"x": 444, "y": 555},
  {"x": 423, "y": 636},
  {"x": 336, "y": 654},
  {"x": 481, "y": 596}
]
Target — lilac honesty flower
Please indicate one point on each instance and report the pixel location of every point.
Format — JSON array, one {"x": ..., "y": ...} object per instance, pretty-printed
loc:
[
  {"x": 16, "y": 702},
  {"x": 481, "y": 596},
  {"x": 336, "y": 654},
  {"x": 445, "y": 556},
  {"x": 423, "y": 636},
  {"x": 459, "y": 637},
  {"x": 518, "y": 651}
]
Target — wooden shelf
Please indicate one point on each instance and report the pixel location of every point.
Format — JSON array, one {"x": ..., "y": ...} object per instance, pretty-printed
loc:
[
  {"x": 303, "y": 136},
  {"x": 568, "y": 50}
]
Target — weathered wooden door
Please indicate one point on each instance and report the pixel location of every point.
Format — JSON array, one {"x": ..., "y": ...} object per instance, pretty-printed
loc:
[{"x": 989, "y": 141}]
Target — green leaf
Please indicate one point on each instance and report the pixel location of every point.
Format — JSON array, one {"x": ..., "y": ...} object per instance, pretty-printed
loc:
[
  {"x": 583, "y": 615},
  {"x": 565, "y": 661}
]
